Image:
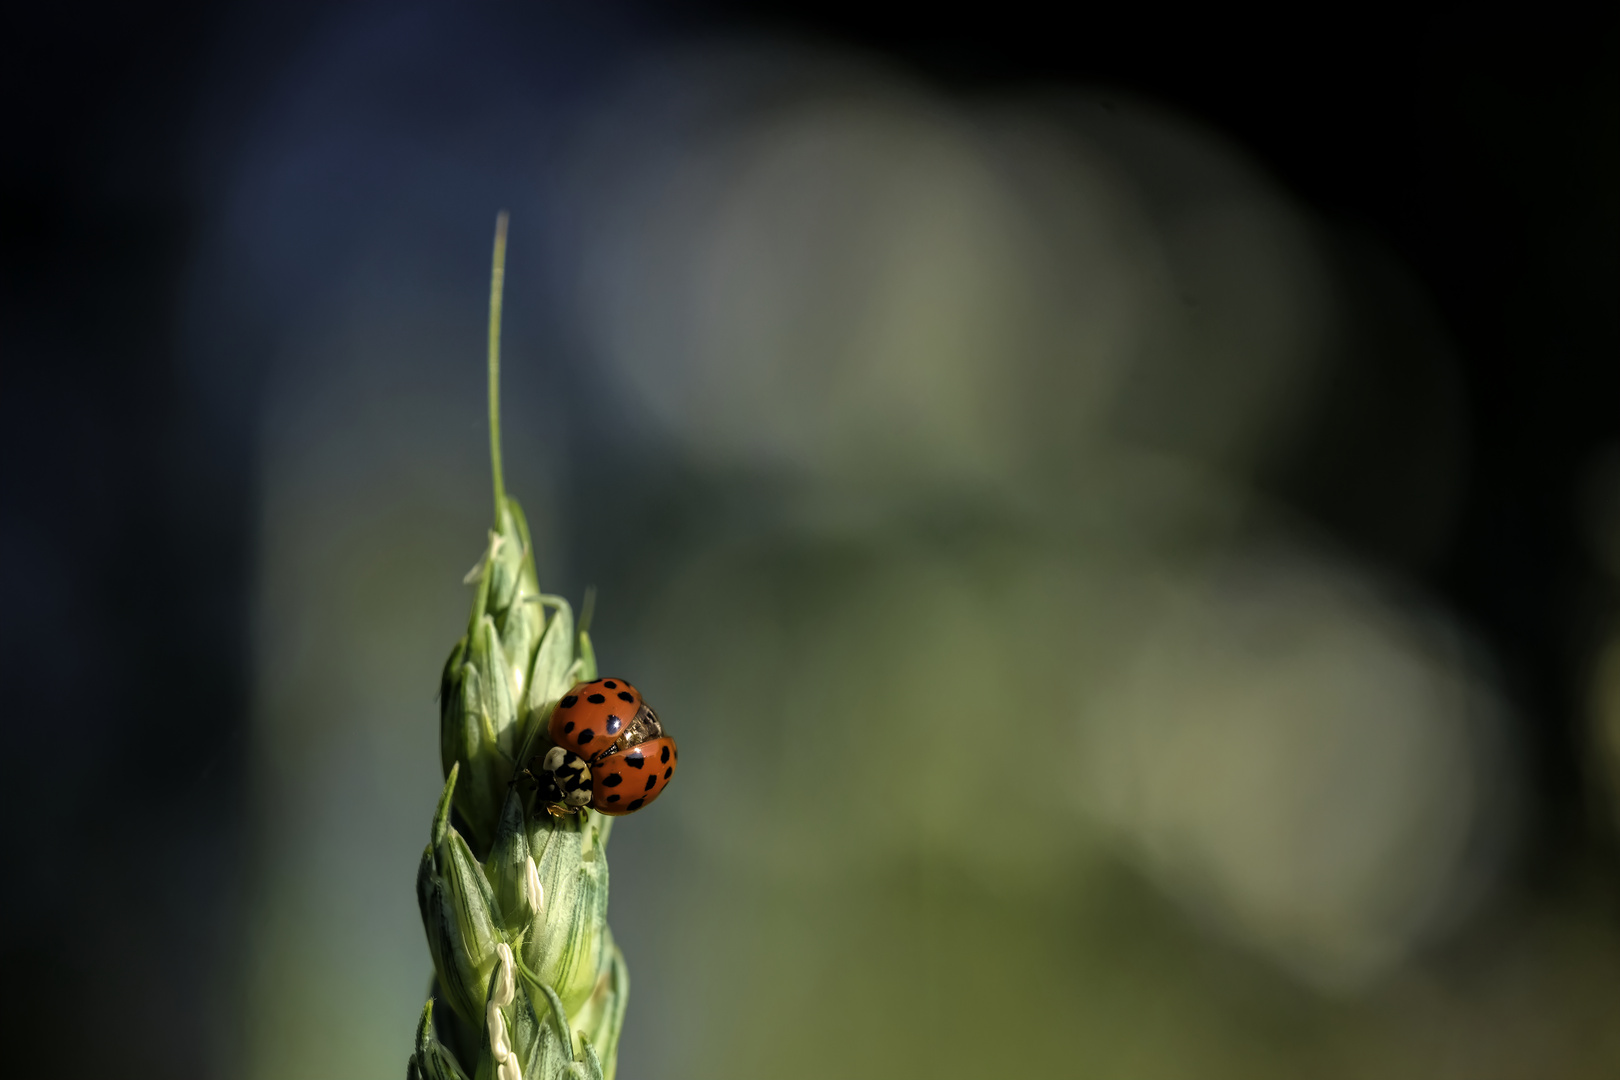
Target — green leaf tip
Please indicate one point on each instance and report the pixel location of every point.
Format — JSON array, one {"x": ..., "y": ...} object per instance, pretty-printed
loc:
[
  {"x": 424, "y": 1029},
  {"x": 593, "y": 1064},
  {"x": 559, "y": 1016},
  {"x": 441, "y": 816}
]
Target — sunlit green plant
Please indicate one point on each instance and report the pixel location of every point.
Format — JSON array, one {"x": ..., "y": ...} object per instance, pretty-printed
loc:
[{"x": 528, "y": 982}]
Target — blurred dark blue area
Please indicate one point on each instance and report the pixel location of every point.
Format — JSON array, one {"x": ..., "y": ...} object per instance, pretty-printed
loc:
[{"x": 1479, "y": 148}]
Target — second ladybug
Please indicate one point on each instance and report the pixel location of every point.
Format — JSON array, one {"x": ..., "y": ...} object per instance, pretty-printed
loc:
[{"x": 609, "y": 751}]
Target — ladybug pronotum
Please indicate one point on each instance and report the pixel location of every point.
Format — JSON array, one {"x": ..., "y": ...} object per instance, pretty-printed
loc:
[{"x": 609, "y": 751}]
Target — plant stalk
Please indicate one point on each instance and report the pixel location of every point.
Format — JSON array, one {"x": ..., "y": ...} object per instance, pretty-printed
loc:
[{"x": 497, "y": 284}]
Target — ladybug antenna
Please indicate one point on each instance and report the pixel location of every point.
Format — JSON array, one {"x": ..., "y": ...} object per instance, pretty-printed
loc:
[{"x": 497, "y": 282}]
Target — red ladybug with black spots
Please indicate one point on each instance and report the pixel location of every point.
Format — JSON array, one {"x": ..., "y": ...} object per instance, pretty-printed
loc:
[{"x": 609, "y": 749}]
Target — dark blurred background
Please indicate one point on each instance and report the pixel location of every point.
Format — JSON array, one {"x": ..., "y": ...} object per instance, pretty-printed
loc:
[{"x": 196, "y": 199}]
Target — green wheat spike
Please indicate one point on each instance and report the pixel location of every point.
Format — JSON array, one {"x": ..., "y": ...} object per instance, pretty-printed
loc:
[{"x": 513, "y": 899}]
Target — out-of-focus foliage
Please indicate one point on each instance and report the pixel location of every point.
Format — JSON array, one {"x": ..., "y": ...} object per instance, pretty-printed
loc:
[{"x": 1011, "y": 504}]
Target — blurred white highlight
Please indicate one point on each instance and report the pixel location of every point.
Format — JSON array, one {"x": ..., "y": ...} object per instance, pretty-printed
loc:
[
  {"x": 861, "y": 282},
  {"x": 1307, "y": 765}
]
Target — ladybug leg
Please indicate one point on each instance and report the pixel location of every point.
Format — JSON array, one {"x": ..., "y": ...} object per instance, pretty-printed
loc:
[{"x": 547, "y": 792}]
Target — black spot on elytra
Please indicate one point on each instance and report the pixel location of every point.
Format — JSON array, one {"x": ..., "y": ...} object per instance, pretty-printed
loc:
[
  {"x": 586, "y": 736},
  {"x": 613, "y": 780},
  {"x": 663, "y": 756},
  {"x": 596, "y": 699},
  {"x": 652, "y": 782},
  {"x": 626, "y": 697},
  {"x": 568, "y": 702},
  {"x": 568, "y": 727},
  {"x": 635, "y": 761},
  {"x": 612, "y": 798},
  {"x": 636, "y": 805},
  {"x": 668, "y": 771},
  {"x": 610, "y": 684},
  {"x": 614, "y": 724}
]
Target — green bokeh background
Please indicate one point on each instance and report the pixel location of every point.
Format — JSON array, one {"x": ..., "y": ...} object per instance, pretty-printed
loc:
[{"x": 1016, "y": 508}]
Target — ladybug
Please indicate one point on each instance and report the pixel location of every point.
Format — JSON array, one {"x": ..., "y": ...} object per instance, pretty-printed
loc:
[{"x": 609, "y": 750}]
